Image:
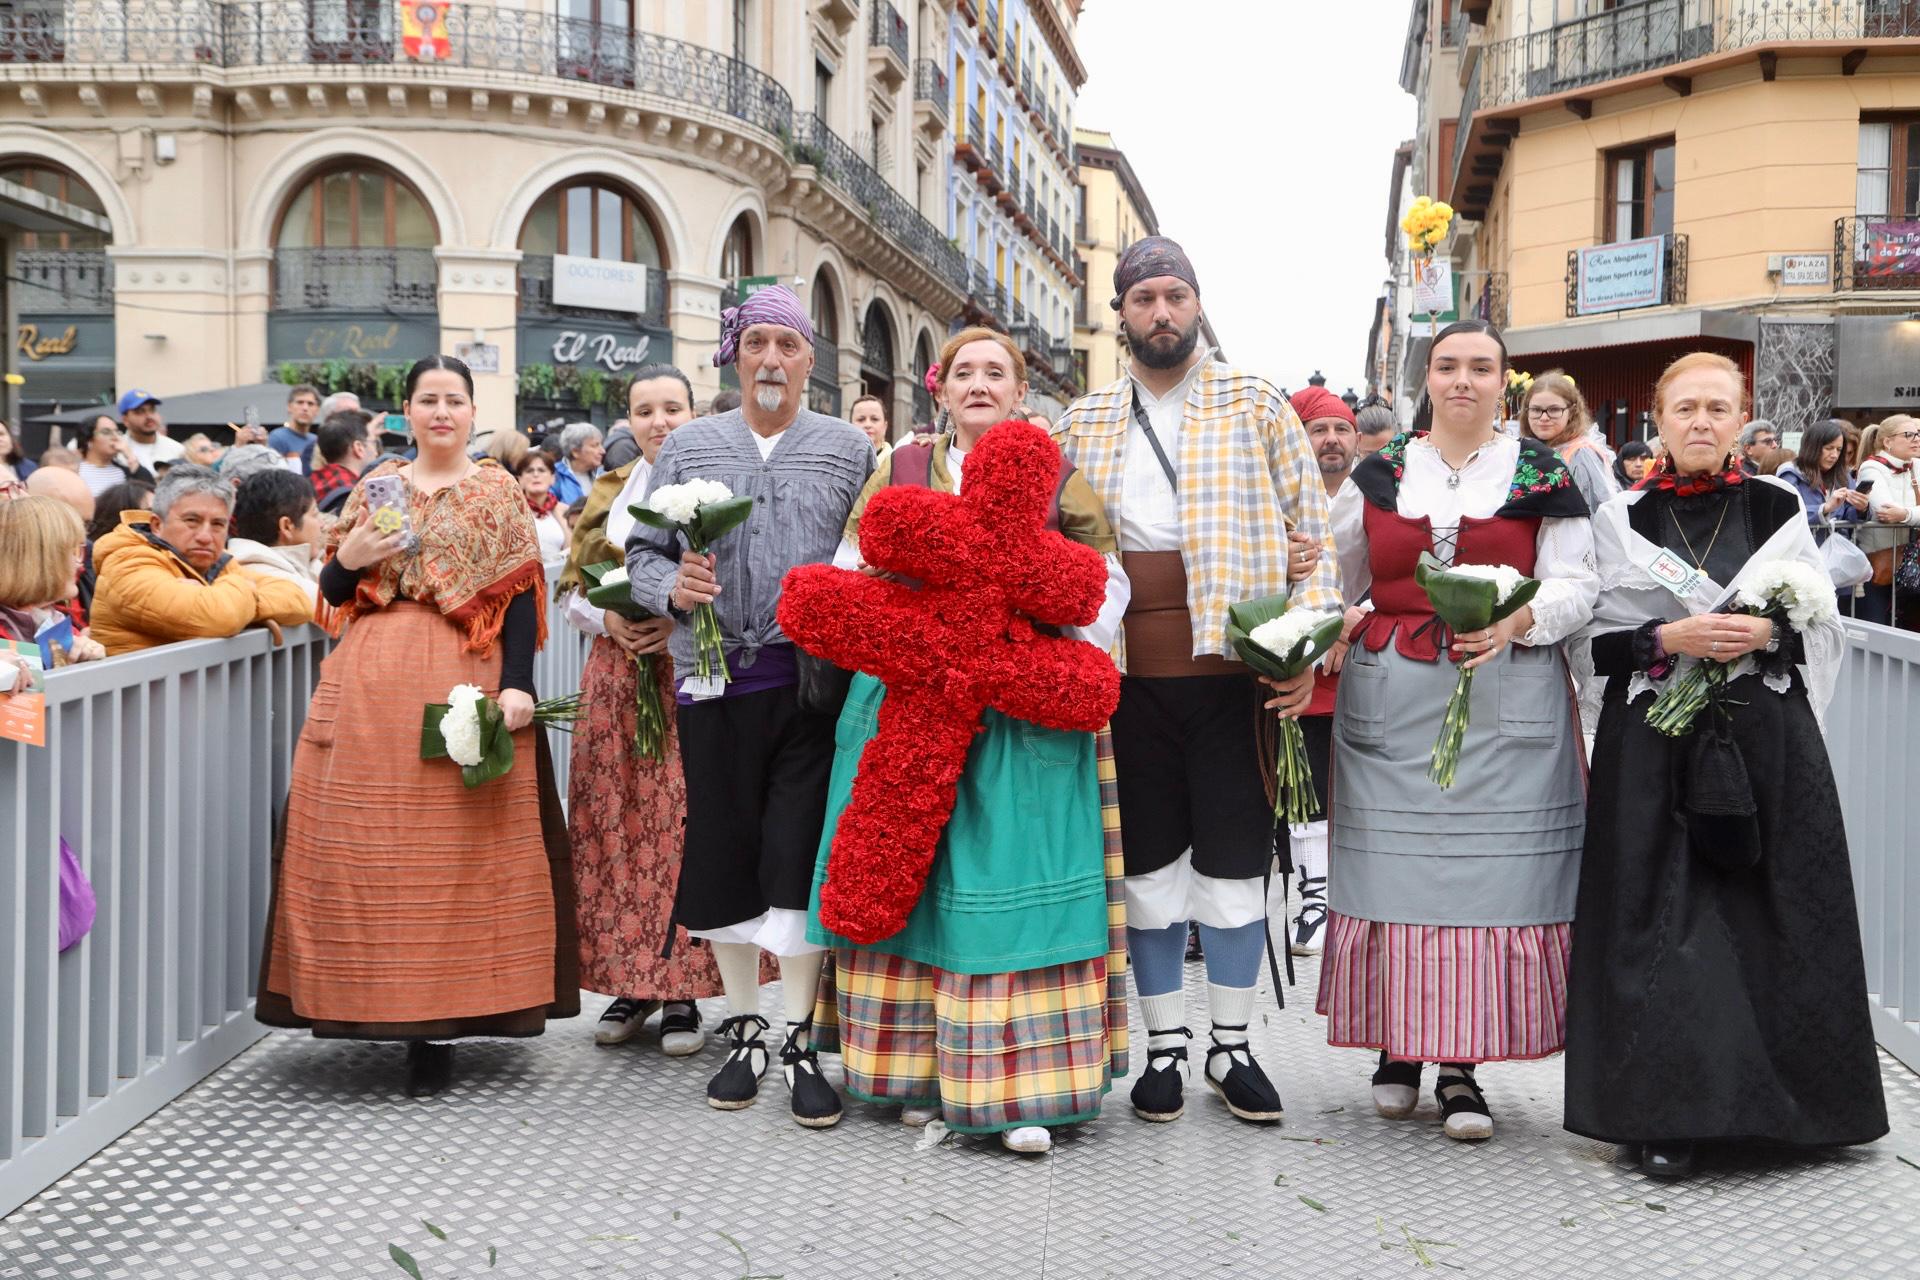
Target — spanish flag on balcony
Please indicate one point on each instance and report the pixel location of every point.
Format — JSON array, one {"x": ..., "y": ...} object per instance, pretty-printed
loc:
[{"x": 423, "y": 29}]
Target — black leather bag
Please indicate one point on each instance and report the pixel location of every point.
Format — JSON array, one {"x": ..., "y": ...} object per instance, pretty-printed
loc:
[
  {"x": 823, "y": 686},
  {"x": 1721, "y": 817}
]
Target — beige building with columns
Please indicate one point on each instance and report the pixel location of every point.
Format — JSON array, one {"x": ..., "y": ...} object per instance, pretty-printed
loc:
[{"x": 198, "y": 194}]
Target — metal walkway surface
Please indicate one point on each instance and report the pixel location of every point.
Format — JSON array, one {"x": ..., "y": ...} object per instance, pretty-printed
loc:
[{"x": 554, "y": 1158}]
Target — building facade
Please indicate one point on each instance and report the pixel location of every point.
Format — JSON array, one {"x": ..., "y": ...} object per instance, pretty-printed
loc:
[
  {"x": 201, "y": 193},
  {"x": 1638, "y": 180},
  {"x": 1013, "y": 77}
]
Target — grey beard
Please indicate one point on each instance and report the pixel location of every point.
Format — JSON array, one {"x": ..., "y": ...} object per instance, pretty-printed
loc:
[{"x": 769, "y": 397}]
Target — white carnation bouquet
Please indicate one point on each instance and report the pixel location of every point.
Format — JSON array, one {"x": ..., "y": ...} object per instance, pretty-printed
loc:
[
  {"x": 1789, "y": 591},
  {"x": 470, "y": 729},
  {"x": 1280, "y": 643},
  {"x": 1466, "y": 597},
  {"x": 701, "y": 511}
]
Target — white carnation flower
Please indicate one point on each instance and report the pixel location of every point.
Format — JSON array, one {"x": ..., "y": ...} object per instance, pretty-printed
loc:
[
  {"x": 614, "y": 576},
  {"x": 677, "y": 502},
  {"x": 460, "y": 726},
  {"x": 1280, "y": 635},
  {"x": 1505, "y": 578},
  {"x": 1799, "y": 590},
  {"x": 710, "y": 491}
]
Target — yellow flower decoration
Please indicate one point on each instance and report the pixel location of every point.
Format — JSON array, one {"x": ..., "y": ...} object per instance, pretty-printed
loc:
[
  {"x": 15, "y": 380},
  {"x": 1426, "y": 223}
]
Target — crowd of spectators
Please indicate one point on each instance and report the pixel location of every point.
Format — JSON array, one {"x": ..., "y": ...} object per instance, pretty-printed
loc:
[{"x": 181, "y": 539}]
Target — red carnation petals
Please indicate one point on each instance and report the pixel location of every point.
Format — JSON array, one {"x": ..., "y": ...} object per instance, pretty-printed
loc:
[{"x": 947, "y": 650}]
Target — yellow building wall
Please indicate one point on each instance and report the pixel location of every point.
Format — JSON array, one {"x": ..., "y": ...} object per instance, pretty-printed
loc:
[{"x": 1760, "y": 168}]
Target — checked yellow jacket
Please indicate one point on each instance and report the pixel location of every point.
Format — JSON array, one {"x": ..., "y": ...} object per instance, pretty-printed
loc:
[{"x": 1247, "y": 474}]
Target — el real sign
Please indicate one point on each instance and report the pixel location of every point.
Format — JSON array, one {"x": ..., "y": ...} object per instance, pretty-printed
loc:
[
  {"x": 1623, "y": 276},
  {"x": 599, "y": 283}
]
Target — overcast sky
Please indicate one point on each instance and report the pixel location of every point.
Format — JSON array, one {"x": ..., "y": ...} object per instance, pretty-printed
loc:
[{"x": 1263, "y": 132}]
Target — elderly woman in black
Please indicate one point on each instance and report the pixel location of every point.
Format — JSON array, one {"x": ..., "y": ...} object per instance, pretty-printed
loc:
[{"x": 1717, "y": 991}]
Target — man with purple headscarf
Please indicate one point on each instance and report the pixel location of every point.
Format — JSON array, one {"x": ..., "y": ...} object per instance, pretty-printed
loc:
[
  {"x": 757, "y": 753},
  {"x": 1203, "y": 469}
]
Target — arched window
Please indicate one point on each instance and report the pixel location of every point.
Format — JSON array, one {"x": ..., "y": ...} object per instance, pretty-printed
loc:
[
  {"x": 876, "y": 341},
  {"x": 589, "y": 219},
  {"x": 736, "y": 257},
  {"x": 356, "y": 208},
  {"x": 922, "y": 398},
  {"x": 825, "y": 312},
  {"x": 823, "y": 387},
  {"x": 355, "y": 238}
]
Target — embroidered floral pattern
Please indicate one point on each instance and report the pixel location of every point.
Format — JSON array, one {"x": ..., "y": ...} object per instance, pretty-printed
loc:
[{"x": 1530, "y": 478}]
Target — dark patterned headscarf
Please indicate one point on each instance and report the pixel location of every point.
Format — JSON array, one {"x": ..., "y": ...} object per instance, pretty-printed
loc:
[
  {"x": 1145, "y": 259},
  {"x": 775, "y": 304}
]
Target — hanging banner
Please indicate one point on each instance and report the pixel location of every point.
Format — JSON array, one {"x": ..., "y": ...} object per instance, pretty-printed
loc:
[
  {"x": 1433, "y": 285},
  {"x": 423, "y": 30},
  {"x": 1892, "y": 248}
]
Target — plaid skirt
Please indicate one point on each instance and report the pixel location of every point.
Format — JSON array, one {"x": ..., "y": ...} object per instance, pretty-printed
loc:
[{"x": 995, "y": 1051}]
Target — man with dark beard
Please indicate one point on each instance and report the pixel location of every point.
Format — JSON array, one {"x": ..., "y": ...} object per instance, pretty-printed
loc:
[{"x": 1203, "y": 470}]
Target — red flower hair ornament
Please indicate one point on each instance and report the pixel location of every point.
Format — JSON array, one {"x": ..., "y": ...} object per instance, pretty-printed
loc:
[{"x": 961, "y": 641}]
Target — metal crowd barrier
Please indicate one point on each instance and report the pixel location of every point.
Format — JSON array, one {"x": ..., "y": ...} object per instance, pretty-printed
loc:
[{"x": 165, "y": 771}]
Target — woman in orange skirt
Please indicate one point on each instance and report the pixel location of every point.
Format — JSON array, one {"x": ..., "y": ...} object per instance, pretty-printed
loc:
[{"x": 405, "y": 906}]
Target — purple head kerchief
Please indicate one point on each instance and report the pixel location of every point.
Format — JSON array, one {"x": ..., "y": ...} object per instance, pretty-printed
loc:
[
  {"x": 1146, "y": 259},
  {"x": 775, "y": 304}
]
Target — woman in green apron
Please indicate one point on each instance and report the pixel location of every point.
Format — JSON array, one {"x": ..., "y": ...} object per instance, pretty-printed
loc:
[{"x": 1001, "y": 1006}]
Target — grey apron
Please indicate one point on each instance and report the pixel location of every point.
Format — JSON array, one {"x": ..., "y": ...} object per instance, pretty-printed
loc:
[{"x": 1499, "y": 847}]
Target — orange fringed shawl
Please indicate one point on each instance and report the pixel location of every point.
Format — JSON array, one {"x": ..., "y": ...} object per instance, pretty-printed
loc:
[{"x": 478, "y": 550}]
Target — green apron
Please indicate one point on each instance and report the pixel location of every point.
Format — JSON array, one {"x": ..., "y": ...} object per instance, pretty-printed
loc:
[{"x": 1019, "y": 879}]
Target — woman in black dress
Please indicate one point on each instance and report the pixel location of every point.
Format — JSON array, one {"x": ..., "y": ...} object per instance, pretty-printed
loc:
[{"x": 1717, "y": 990}]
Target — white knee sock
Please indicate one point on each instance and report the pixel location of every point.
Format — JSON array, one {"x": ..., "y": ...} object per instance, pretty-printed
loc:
[
  {"x": 799, "y": 983},
  {"x": 1166, "y": 1019},
  {"x": 739, "y": 965}
]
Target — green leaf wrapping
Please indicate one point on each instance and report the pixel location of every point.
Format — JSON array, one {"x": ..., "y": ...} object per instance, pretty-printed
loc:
[
  {"x": 1467, "y": 603},
  {"x": 1242, "y": 618},
  {"x": 496, "y": 744},
  {"x": 708, "y": 525}
]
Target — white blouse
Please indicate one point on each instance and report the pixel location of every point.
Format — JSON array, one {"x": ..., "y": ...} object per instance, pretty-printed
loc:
[{"x": 1563, "y": 559}]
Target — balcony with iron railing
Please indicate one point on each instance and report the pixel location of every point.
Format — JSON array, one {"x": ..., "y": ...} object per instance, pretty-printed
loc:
[
  {"x": 137, "y": 36},
  {"x": 397, "y": 281},
  {"x": 932, "y": 94},
  {"x": 1876, "y": 252},
  {"x": 71, "y": 281},
  {"x": 837, "y": 163},
  {"x": 1644, "y": 45},
  {"x": 887, "y": 41},
  {"x": 536, "y": 296},
  {"x": 990, "y": 26}
]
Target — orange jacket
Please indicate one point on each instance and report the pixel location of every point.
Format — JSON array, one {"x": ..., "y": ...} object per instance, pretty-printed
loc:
[{"x": 148, "y": 595}]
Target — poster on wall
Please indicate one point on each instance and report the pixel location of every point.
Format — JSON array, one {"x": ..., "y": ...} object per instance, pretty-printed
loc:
[
  {"x": 1623, "y": 276},
  {"x": 423, "y": 30}
]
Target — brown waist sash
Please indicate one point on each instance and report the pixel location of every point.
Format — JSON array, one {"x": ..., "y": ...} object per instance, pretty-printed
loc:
[{"x": 1159, "y": 629}]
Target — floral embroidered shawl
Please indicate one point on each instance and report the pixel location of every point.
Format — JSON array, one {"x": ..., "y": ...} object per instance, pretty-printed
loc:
[{"x": 478, "y": 550}]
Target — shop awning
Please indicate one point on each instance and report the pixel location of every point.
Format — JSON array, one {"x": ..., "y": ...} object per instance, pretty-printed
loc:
[
  {"x": 200, "y": 409},
  {"x": 1632, "y": 330}
]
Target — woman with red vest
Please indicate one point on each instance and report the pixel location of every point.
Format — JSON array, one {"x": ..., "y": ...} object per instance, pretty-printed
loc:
[
  {"x": 1001, "y": 1007},
  {"x": 1447, "y": 936}
]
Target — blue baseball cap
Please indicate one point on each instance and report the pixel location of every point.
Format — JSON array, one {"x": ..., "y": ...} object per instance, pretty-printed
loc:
[{"x": 135, "y": 398}]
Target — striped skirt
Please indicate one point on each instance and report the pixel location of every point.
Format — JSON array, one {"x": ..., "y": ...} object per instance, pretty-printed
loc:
[
  {"x": 994, "y": 1051},
  {"x": 1445, "y": 993}
]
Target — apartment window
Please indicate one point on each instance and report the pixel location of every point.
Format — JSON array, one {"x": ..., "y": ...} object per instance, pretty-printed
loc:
[
  {"x": 1640, "y": 191},
  {"x": 822, "y": 88},
  {"x": 1080, "y": 215},
  {"x": 1000, "y": 264},
  {"x": 960, "y": 98},
  {"x": 1888, "y": 181},
  {"x": 740, "y": 30}
]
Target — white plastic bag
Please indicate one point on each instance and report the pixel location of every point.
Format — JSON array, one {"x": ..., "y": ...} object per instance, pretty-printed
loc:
[{"x": 1846, "y": 564}]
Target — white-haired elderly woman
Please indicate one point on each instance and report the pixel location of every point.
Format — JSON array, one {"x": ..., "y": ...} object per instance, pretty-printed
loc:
[{"x": 580, "y": 453}]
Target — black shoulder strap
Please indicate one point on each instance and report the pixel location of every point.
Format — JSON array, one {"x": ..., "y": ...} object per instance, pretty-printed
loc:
[{"x": 1140, "y": 416}]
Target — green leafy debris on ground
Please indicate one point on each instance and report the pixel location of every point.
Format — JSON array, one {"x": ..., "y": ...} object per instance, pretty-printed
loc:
[
  {"x": 404, "y": 1261},
  {"x": 432, "y": 1230},
  {"x": 1313, "y": 1204}
]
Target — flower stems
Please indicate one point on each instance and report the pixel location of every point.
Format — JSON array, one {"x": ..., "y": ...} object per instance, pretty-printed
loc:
[
  {"x": 1445, "y": 762},
  {"x": 1294, "y": 801},
  {"x": 1681, "y": 702},
  {"x": 649, "y": 717},
  {"x": 710, "y": 651}
]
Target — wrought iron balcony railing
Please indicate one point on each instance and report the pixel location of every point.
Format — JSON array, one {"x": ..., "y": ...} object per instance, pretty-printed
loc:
[
  {"x": 976, "y": 132},
  {"x": 840, "y": 165},
  {"x": 990, "y": 24},
  {"x": 74, "y": 281},
  {"x": 1646, "y": 36},
  {"x": 402, "y": 281},
  {"x": 889, "y": 30},
  {"x": 1879, "y": 251},
  {"x": 997, "y": 156},
  {"x": 273, "y": 33},
  {"x": 930, "y": 86},
  {"x": 536, "y": 295}
]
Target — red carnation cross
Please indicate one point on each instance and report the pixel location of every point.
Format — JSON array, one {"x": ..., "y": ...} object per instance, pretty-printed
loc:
[{"x": 960, "y": 642}]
